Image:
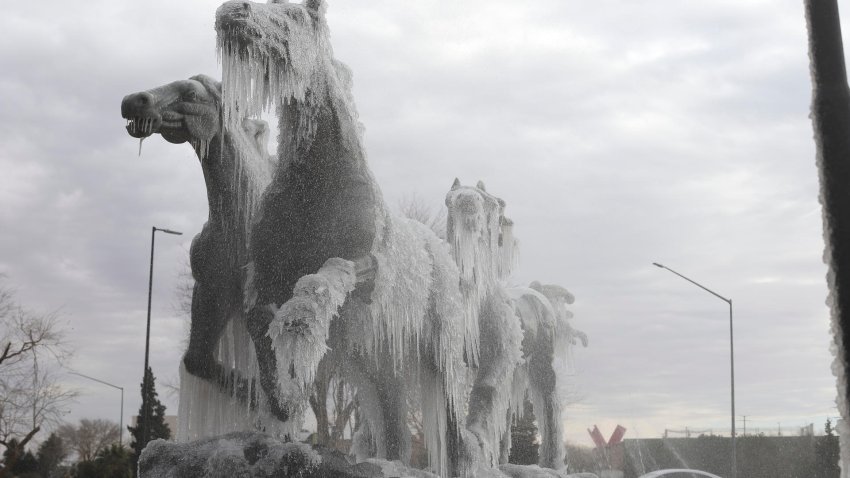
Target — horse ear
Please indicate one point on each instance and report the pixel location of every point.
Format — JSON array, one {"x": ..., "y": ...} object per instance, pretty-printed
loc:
[
  {"x": 480, "y": 186},
  {"x": 456, "y": 184}
]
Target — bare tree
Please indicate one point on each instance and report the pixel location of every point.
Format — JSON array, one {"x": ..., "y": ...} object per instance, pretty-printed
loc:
[
  {"x": 333, "y": 404},
  {"x": 90, "y": 437},
  {"x": 32, "y": 346},
  {"x": 414, "y": 207}
]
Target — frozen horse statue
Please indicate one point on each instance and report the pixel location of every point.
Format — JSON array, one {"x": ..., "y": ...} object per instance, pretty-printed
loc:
[
  {"x": 542, "y": 311},
  {"x": 236, "y": 167},
  {"x": 520, "y": 328},
  {"x": 485, "y": 251},
  {"x": 330, "y": 265}
]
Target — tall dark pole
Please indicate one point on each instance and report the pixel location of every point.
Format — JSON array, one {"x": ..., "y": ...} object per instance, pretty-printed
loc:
[
  {"x": 145, "y": 414},
  {"x": 831, "y": 121},
  {"x": 734, "y": 463}
]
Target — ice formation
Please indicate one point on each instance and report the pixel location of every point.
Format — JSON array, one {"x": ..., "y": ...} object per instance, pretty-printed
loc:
[
  {"x": 300, "y": 329},
  {"x": 217, "y": 366},
  {"x": 306, "y": 264},
  {"x": 831, "y": 121},
  {"x": 520, "y": 328},
  {"x": 323, "y": 204}
]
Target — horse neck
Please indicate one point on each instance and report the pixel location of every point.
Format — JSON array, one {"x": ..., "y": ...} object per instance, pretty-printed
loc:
[
  {"x": 232, "y": 184},
  {"x": 326, "y": 113}
]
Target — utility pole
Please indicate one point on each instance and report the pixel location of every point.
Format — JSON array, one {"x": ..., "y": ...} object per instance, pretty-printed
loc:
[
  {"x": 745, "y": 424},
  {"x": 145, "y": 413}
]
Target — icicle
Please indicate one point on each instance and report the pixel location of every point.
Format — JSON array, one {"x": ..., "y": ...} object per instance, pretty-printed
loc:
[
  {"x": 299, "y": 331},
  {"x": 140, "y": 145},
  {"x": 483, "y": 247}
]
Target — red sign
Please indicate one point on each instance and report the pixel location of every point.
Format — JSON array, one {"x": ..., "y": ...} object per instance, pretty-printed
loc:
[
  {"x": 596, "y": 435},
  {"x": 617, "y": 436}
]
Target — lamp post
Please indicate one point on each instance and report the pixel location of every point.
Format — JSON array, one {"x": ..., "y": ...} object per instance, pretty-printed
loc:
[
  {"x": 121, "y": 417},
  {"x": 145, "y": 417},
  {"x": 731, "y": 355}
]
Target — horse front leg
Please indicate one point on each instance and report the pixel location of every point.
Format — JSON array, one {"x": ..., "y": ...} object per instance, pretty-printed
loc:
[
  {"x": 545, "y": 402},
  {"x": 258, "y": 322},
  {"x": 291, "y": 340},
  {"x": 500, "y": 351}
]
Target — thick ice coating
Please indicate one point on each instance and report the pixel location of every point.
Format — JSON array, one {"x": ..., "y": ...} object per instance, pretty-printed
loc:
[{"x": 324, "y": 203}]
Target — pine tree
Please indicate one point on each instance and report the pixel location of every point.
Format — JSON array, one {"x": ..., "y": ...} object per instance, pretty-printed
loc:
[
  {"x": 154, "y": 410},
  {"x": 524, "y": 446},
  {"x": 50, "y": 455},
  {"x": 826, "y": 454},
  {"x": 111, "y": 462},
  {"x": 23, "y": 461}
]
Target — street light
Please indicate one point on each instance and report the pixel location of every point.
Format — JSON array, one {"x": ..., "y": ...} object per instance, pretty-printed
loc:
[
  {"x": 145, "y": 418},
  {"x": 121, "y": 418},
  {"x": 731, "y": 355}
]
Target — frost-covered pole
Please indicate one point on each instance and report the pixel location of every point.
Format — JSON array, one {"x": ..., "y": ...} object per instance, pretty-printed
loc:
[{"x": 831, "y": 121}]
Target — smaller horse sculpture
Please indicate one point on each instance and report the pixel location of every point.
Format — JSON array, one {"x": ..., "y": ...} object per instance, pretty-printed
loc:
[
  {"x": 236, "y": 167},
  {"x": 520, "y": 327}
]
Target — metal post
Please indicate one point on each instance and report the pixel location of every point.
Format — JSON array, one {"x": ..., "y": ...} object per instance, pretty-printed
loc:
[
  {"x": 732, "y": 374},
  {"x": 734, "y": 463},
  {"x": 145, "y": 427},
  {"x": 831, "y": 120},
  {"x": 145, "y": 415}
]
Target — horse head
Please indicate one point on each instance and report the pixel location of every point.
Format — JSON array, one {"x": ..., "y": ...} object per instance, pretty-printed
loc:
[
  {"x": 480, "y": 233},
  {"x": 272, "y": 52},
  {"x": 180, "y": 111}
]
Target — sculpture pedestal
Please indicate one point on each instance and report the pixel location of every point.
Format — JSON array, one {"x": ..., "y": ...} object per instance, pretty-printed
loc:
[{"x": 250, "y": 455}]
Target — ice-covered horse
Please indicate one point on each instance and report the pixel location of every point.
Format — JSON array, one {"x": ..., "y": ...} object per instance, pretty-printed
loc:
[
  {"x": 485, "y": 252},
  {"x": 520, "y": 328},
  {"x": 324, "y": 244},
  {"x": 546, "y": 332},
  {"x": 236, "y": 167}
]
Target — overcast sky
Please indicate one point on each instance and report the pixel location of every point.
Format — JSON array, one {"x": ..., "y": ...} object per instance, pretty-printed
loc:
[{"x": 618, "y": 132}]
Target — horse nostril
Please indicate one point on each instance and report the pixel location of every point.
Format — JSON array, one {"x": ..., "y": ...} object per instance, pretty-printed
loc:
[{"x": 246, "y": 6}]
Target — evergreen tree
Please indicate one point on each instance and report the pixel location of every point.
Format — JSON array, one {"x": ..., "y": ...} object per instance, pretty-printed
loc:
[
  {"x": 50, "y": 455},
  {"x": 826, "y": 454},
  {"x": 154, "y": 410},
  {"x": 23, "y": 462},
  {"x": 524, "y": 446},
  {"x": 112, "y": 462}
]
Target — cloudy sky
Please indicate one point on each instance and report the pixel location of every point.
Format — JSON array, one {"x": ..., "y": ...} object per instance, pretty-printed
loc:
[{"x": 620, "y": 133}]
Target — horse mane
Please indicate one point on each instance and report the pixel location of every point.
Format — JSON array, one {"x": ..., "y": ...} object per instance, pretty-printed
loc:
[{"x": 212, "y": 85}]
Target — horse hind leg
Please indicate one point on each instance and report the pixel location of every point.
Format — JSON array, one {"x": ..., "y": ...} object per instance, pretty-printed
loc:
[
  {"x": 209, "y": 318},
  {"x": 546, "y": 406}
]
